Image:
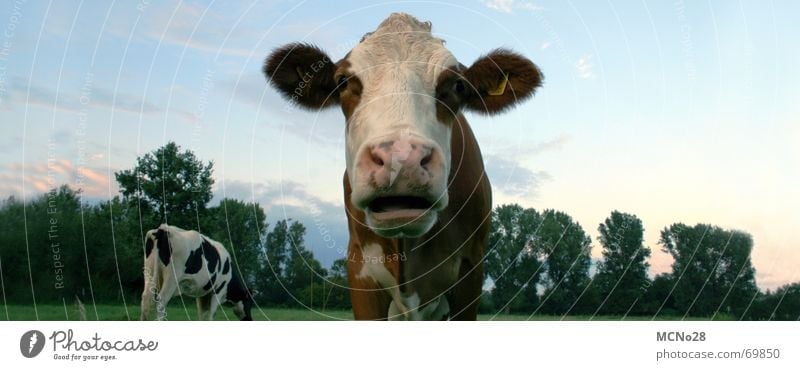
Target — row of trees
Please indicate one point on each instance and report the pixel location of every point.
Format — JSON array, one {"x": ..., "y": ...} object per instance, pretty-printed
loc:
[
  {"x": 541, "y": 263},
  {"x": 56, "y": 247}
]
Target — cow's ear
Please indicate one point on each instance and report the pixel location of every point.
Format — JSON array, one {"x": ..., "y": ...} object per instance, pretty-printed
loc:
[
  {"x": 303, "y": 74},
  {"x": 500, "y": 80}
]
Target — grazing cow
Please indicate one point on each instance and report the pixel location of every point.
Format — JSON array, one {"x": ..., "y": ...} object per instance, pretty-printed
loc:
[
  {"x": 185, "y": 262},
  {"x": 417, "y": 199}
]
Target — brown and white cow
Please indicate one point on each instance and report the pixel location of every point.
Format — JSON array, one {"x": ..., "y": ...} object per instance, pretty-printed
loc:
[{"x": 416, "y": 195}]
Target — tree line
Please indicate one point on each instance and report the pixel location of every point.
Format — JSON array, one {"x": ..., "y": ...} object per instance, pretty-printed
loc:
[
  {"x": 56, "y": 247},
  {"x": 95, "y": 250},
  {"x": 540, "y": 263}
]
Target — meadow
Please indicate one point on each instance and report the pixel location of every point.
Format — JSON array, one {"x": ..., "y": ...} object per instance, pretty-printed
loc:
[{"x": 177, "y": 312}]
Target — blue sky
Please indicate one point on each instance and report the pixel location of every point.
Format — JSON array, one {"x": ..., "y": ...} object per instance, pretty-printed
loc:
[{"x": 677, "y": 112}]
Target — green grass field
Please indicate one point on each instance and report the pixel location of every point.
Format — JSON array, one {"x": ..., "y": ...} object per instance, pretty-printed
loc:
[{"x": 176, "y": 312}]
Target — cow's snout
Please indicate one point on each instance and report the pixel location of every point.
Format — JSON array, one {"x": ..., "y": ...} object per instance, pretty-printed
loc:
[
  {"x": 400, "y": 182},
  {"x": 407, "y": 163}
]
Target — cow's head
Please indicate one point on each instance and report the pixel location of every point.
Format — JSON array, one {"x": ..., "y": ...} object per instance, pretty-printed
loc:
[{"x": 401, "y": 92}]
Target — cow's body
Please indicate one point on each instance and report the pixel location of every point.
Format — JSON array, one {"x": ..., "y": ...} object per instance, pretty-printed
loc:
[
  {"x": 417, "y": 198},
  {"x": 445, "y": 262},
  {"x": 185, "y": 262}
]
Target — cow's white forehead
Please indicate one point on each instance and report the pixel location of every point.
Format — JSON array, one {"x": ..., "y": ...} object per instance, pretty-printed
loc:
[{"x": 401, "y": 46}]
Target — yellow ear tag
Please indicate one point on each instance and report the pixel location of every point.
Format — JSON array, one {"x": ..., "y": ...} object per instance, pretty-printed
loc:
[{"x": 501, "y": 88}]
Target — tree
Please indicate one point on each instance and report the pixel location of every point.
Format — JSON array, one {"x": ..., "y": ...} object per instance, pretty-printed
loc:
[
  {"x": 623, "y": 271},
  {"x": 290, "y": 269},
  {"x": 712, "y": 270},
  {"x": 272, "y": 264},
  {"x": 55, "y": 246},
  {"x": 303, "y": 271},
  {"x": 567, "y": 249},
  {"x": 240, "y": 227},
  {"x": 782, "y": 304},
  {"x": 170, "y": 186},
  {"x": 338, "y": 293},
  {"x": 112, "y": 233},
  {"x": 48, "y": 250},
  {"x": 13, "y": 258},
  {"x": 656, "y": 299},
  {"x": 512, "y": 262}
]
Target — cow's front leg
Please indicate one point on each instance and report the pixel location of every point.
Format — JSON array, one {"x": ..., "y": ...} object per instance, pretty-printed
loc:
[
  {"x": 467, "y": 292},
  {"x": 241, "y": 312},
  {"x": 148, "y": 296},
  {"x": 204, "y": 306},
  {"x": 151, "y": 283},
  {"x": 162, "y": 297},
  {"x": 216, "y": 301}
]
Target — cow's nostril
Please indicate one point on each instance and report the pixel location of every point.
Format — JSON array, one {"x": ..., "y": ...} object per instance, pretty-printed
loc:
[
  {"x": 425, "y": 160},
  {"x": 377, "y": 159}
]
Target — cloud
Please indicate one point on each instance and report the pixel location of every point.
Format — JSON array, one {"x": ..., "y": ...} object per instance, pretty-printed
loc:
[
  {"x": 585, "y": 67},
  {"x": 121, "y": 102},
  {"x": 40, "y": 177},
  {"x": 512, "y": 178},
  {"x": 326, "y": 224},
  {"x": 535, "y": 149},
  {"x": 251, "y": 89},
  {"x": 525, "y": 149},
  {"x": 9, "y": 143},
  {"x": 545, "y": 45},
  {"x": 508, "y": 6},
  {"x": 24, "y": 93},
  {"x": 323, "y": 128},
  {"x": 198, "y": 28},
  {"x": 324, "y": 132}
]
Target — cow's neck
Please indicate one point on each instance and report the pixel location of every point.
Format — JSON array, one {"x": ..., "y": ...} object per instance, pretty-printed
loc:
[
  {"x": 429, "y": 265},
  {"x": 426, "y": 274},
  {"x": 418, "y": 273}
]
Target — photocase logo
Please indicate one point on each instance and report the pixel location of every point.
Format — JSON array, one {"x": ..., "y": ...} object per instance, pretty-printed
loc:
[{"x": 31, "y": 343}]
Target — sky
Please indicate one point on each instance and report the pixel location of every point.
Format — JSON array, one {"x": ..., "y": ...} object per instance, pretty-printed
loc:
[{"x": 674, "y": 111}]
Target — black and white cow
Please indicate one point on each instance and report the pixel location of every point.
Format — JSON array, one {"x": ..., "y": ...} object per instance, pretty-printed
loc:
[{"x": 185, "y": 262}]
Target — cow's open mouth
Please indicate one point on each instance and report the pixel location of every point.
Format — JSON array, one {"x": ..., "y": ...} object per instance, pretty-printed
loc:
[
  {"x": 399, "y": 203},
  {"x": 401, "y": 215}
]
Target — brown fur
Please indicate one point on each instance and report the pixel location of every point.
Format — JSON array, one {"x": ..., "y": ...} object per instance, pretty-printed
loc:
[
  {"x": 448, "y": 99},
  {"x": 487, "y": 72},
  {"x": 445, "y": 261},
  {"x": 303, "y": 74},
  {"x": 349, "y": 92},
  {"x": 448, "y": 259}
]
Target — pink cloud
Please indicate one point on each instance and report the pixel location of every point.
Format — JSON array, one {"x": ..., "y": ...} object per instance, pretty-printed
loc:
[{"x": 42, "y": 176}]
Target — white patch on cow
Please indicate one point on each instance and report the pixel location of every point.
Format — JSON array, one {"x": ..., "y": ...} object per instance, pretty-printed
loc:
[
  {"x": 399, "y": 156},
  {"x": 238, "y": 310},
  {"x": 434, "y": 310},
  {"x": 410, "y": 313},
  {"x": 403, "y": 306},
  {"x": 373, "y": 268},
  {"x": 398, "y": 66}
]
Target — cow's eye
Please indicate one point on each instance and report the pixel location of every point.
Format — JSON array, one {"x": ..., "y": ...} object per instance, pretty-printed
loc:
[{"x": 458, "y": 87}]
